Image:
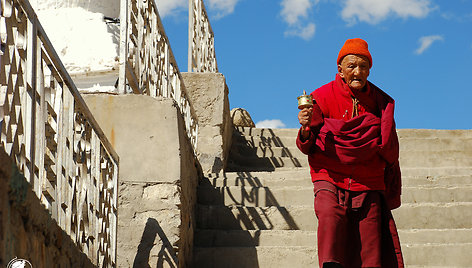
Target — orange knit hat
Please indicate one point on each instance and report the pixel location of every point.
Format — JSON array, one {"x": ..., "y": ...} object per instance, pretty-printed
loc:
[{"x": 355, "y": 46}]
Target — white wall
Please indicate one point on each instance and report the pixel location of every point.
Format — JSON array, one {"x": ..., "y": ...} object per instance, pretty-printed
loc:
[
  {"x": 110, "y": 8},
  {"x": 83, "y": 40}
]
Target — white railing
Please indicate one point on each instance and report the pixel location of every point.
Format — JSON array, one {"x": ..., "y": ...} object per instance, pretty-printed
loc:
[
  {"x": 147, "y": 64},
  {"x": 54, "y": 139},
  {"x": 201, "y": 45}
]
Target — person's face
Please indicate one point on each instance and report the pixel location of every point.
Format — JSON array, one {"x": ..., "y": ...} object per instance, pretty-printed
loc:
[{"x": 354, "y": 69}]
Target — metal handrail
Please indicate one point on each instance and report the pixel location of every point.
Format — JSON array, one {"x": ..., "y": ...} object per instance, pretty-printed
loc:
[
  {"x": 201, "y": 45},
  {"x": 147, "y": 64},
  {"x": 55, "y": 141}
]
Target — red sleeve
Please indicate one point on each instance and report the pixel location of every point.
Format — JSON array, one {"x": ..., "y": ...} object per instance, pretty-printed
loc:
[
  {"x": 307, "y": 146},
  {"x": 393, "y": 185}
]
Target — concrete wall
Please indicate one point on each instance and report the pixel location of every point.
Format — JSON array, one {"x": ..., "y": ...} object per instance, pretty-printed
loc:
[
  {"x": 158, "y": 179},
  {"x": 27, "y": 230},
  {"x": 209, "y": 95}
]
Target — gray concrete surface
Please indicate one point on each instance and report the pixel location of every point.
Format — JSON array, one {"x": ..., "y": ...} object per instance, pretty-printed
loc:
[
  {"x": 158, "y": 178},
  {"x": 261, "y": 210},
  {"x": 209, "y": 95}
]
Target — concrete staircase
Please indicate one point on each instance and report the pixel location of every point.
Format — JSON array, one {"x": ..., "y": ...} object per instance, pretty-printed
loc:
[{"x": 259, "y": 213}]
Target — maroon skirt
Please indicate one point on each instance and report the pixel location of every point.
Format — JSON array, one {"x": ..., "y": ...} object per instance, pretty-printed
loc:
[{"x": 355, "y": 229}]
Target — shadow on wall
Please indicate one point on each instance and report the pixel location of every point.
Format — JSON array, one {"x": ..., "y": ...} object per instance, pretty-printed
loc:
[{"x": 167, "y": 256}]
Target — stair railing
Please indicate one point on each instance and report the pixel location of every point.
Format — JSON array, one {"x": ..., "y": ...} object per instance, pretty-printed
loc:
[
  {"x": 147, "y": 64},
  {"x": 52, "y": 136},
  {"x": 201, "y": 45}
]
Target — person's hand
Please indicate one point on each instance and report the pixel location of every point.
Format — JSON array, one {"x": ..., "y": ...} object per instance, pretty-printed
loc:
[{"x": 304, "y": 117}]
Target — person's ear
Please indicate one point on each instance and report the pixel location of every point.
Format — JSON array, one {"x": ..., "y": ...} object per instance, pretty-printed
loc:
[{"x": 340, "y": 71}]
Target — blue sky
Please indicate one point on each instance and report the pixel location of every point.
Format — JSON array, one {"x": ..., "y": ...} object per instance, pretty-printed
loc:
[{"x": 271, "y": 50}]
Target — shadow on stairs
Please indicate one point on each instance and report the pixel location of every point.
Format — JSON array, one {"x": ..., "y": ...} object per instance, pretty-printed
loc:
[{"x": 259, "y": 213}]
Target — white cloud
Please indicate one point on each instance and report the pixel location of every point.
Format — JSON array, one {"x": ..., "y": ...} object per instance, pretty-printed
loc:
[
  {"x": 293, "y": 10},
  {"x": 270, "y": 123},
  {"x": 305, "y": 33},
  {"x": 374, "y": 11},
  {"x": 295, "y": 14},
  {"x": 171, "y": 7},
  {"x": 426, "y": 42},
  {"x": 222, "y": 7}
]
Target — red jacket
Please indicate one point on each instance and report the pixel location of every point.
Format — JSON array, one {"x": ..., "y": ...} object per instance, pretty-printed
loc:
[{"x": 353, "y": 142}]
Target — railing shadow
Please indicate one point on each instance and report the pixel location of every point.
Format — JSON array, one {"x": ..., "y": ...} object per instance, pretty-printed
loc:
[
  {"x": 167, "y": 257},
  {"x": 260, "y": 152},
  {"x": 220, "y": 226},
  {"x": 252, "y": 207},
  {"x": 234, "y": 212},
  {"x": 286, "y": 151}
]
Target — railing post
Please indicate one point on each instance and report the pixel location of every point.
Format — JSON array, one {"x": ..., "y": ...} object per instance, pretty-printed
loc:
[
  {"x": 190, "y": 34},
  {"x": 201, "y": 51},
  {"x": 123, "y": 46},
  {"x": 30, "y": 100}
]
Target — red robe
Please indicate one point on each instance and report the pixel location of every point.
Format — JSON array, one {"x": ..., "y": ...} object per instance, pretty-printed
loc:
[
  {"x": 354, "y": 153},
  {"x": 353, "y": 145}
]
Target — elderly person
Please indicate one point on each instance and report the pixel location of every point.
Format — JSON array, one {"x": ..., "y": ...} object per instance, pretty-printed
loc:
[{"x": 350, "y": 138}]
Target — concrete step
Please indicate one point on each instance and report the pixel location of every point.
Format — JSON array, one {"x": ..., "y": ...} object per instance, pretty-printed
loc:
[
  {"x": 436, "y": 144},
  {"x": 415, "y": 159},
  {"x": 292, "y": 238},
  {"x": 256, "y": 141},
  {"x": 248, "y": 164},
  {"x": 299, "y": 196},
  {"x": 436, "y": 172},
  {"x": 416, "y": 255},
  {"x": 266, "y": 132},
  {"x": 423, "y": 247},
  {"x": 451, "y": 158},
  {"x": 421, "y": 148},
  {"x": 434, "y": 133},
  {"x": 268, "y": 151},
  {"x": 410, "y": 155},
  {"x": 455, "y": 215},
  {"x": 411, "y": 177},
  {"x": 255, "y": 196},
  {"x": 402, "y": 133},
  {"x": 254, "y": 238},
  {"x": 292, "y": 176},
  {"x": 429, "y": 181},
  {"x": 261, "y": 145},
  {"x": 242, "y": 163},
  {"x": 439, "y": 194},
  {"x": 255, "y": 257},
  {"x": 276, "y": 157},
  {"x": 267, "y": 148},
  {"x": 435, "y": 236},
  {"x": 276, "y": 141},
  {"x": 424, "y": 140},
  {"x": 256, "y": 218},
  {"x": 252, "y": 164},
  {"x": 437, "y": 255}
]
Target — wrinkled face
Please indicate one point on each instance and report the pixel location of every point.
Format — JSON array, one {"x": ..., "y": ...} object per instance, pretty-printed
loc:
[{"x": 354, "y": 69}]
